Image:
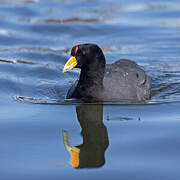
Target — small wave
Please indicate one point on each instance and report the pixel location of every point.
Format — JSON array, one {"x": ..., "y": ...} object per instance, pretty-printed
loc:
[
  {"x": 19, "y": 2},
  {"x": 71, "y": 20},
  {"x": 17, "y": 61},
  {"x": 33, "y": 100},
  {"x": 35, "y": 49}
]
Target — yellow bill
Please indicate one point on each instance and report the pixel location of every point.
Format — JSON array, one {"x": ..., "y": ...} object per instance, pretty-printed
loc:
[{"x": 71, "y": 63}]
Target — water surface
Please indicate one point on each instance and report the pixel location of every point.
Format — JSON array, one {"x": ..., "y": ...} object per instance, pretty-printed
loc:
[{"x": 117, "y": 139}]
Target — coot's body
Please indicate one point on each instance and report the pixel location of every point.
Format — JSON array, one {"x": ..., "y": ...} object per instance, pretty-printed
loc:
[{"x": 122, "y": 80}]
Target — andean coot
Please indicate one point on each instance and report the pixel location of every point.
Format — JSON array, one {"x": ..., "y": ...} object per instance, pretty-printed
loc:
[{"x": 122, "y": 80}]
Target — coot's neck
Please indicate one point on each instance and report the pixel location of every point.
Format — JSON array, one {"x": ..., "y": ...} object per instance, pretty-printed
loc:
[
  {"x": 92, "y": 74},
  {"x": 89, "y": 78}
]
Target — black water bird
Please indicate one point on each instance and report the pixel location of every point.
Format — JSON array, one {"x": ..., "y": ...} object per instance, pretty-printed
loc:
[{"x": 122, "y": 80}]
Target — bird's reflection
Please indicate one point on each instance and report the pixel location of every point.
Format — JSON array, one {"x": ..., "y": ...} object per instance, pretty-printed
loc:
[{"x": 90, "y": 154}]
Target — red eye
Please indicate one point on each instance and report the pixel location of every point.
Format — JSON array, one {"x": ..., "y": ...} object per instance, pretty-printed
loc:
[{"x": 83, "y": 53}]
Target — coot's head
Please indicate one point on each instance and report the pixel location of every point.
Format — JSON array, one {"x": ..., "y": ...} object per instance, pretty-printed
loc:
[{"x": 85, "y": 55}]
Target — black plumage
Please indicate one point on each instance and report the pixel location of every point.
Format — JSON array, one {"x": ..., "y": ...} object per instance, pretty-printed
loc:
[{"x": 122, "y": 80}]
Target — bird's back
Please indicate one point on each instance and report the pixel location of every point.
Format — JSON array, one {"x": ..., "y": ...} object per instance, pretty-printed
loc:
[{"x": 124, "y": 79}]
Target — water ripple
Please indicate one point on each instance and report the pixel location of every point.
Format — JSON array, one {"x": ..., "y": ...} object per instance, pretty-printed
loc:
[{"x": 36, "y": 41}]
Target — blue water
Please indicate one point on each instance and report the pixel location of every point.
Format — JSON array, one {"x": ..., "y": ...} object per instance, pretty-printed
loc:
[{"x": 121, "y": 140}]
